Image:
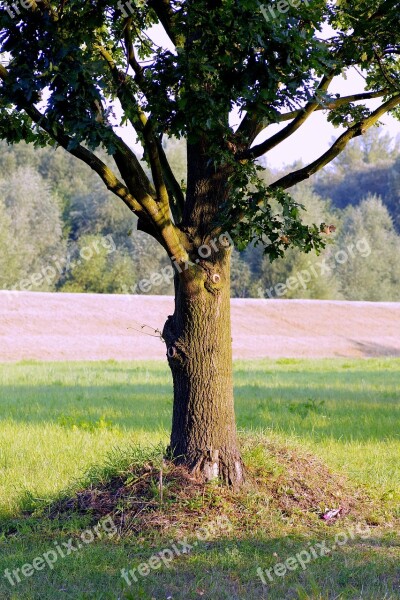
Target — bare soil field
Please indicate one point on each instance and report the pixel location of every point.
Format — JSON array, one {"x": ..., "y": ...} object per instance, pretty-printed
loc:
[{"x": 58, "y": 327}]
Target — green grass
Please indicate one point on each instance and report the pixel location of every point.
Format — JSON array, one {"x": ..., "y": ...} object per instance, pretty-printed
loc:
[{"x": 57, "y": 420}]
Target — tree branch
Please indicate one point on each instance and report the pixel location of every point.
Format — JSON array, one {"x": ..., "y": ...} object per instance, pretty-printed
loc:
[
  {"x": 356, "y": 130},
  {"x": 108, "y": 177},
  {"x": 166, "y": 15},
  {"x": 160, "y": 168},
  {"x": 331, "y": 105},
  {"x": 145, "y": 86},
  {"x": 298, "y": 121},
  {"x": 139, "y": 121},
  {"x": 258, "y": 150},
  {"x": 130, "y": 168},
  {"x": 147, "y": 209},
  {"x": 177, "y": 198},
  {"x": 176, "y": 195},
  {"x": 250, "y": 127}
]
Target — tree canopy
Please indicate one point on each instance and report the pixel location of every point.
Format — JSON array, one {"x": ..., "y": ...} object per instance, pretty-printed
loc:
[{"x": 72, "y": 71}]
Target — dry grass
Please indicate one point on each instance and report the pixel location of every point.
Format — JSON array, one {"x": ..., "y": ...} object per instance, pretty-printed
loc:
[{"x": 167, "y": 499}]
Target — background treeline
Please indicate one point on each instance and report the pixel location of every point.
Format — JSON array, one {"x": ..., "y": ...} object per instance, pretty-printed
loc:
[{"x": 60, "y": 230}]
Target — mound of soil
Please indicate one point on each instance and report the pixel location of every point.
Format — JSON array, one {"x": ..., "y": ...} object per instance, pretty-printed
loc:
[{"x": 289, "y": 483}]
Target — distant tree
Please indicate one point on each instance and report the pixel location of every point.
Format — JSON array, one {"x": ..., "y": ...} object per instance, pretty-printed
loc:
[
  {"x": 97, "y": 265},
  {"x": 392, "y": 201},
  {"x": 369, "y": 165},
  {"x": 62, "y": 173},
  {"x": 298, "y": 275},
  {"x": 240, "y": 276},
  {"x": 88, "y": 208},
  {"x": 95, "y": 212},
  {"x": 33, "y": 236},
  {"x": 372, "y": 268},
  {"x": 10, "y": 268}
]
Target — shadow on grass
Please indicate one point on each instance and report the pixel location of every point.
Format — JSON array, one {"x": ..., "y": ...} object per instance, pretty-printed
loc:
[
  {"x": 340, "y": 412},
  {"x": 224, "y": 569},
  {"x": 143, "y": 407}
]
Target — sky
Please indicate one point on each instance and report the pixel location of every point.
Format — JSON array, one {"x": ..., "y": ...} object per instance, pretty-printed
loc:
[
  {"x": 315, "y": 136},
  {"x": 311, "y": 140}
]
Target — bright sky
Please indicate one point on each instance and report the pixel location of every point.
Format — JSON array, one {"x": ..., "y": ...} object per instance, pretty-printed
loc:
[{"x": 312, "y": 139}]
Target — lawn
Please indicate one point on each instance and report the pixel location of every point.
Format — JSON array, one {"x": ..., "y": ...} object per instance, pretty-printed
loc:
[{"x": 60, "y": 420}]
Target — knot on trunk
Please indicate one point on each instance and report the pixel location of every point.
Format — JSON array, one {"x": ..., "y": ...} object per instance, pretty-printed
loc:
[
  {"x": 214, "y": 282},
  {"x": 176, "y": 349},
  {"x": 177, "y": 354},
  {"x": 172, "y": 352}
]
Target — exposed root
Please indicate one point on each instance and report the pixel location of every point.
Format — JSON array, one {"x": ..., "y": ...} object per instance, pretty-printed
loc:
[{"x": 216, "y": 465}]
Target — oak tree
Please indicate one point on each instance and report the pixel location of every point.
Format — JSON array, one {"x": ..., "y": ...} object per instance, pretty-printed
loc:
[{"x": 73, "y": 70}]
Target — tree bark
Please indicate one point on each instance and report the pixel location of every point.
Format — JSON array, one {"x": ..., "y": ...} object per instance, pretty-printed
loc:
[{"x": 199, "y": 351}]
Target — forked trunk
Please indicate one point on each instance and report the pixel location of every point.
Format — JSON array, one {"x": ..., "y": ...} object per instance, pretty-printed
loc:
[{"x": 199, "y": 350}]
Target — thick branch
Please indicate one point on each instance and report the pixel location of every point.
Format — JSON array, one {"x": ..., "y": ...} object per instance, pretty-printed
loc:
[
  {"x": 111, "y": 181},
  {"x": 137, "y": 181},
  {"x": 139, "y": 121},
  {"x": 299, "y": 120},
  {"x": 108, "y": 177},
  {"x": 251, "y": 125},
  {"x": 166, "y": 15},
  {"x": 332, "y": 104},
  {"x": 146, "y": 209},
  {"x": 258, "y": 150},
  {"x": 300, "y": 175},
  {"x": 163, "y": 176},
  {"x": 176, "y": 195},
  {"x": 356, "y": 130},
  {"x": 147, "y": 87},
  {"x": 154, "y": 159},
  {"x": 132, "y": 171},
  {"x": 177, "y": 198}
]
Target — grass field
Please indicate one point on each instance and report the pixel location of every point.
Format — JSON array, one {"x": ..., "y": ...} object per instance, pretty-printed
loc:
[{"x": 58, "y": 420}]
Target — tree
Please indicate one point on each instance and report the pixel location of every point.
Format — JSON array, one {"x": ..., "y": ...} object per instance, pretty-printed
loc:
[
  {"x": 240, "y": 276},
  {"x": 369, "y": 229},
  {"x": 70, "y": 68},
  {"x": 98, "y": 266},
  {"x": 369, "y": 165},
  {"x": 31, "y": 232},
  {"x": 299, "y": 275},
  {"x": 9, "y": 264}
]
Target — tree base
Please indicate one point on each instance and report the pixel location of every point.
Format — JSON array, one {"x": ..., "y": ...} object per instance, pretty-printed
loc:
[{"x": 214, "y": 465}]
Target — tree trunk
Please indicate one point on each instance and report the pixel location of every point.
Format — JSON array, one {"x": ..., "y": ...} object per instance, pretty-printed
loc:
[{"x": 199, "y": 350}]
